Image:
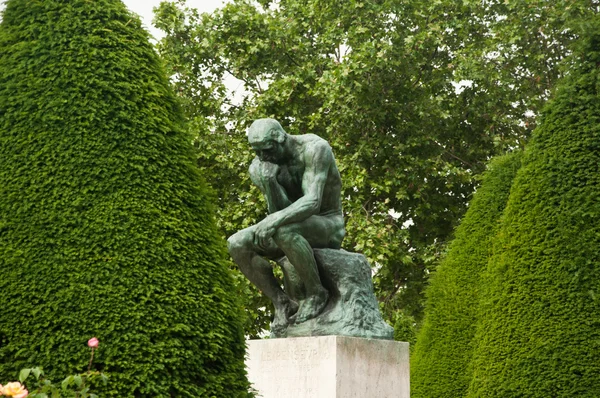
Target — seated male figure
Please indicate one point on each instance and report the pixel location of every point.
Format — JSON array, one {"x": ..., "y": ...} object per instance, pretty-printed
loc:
[{"x": 298, "y": 176}]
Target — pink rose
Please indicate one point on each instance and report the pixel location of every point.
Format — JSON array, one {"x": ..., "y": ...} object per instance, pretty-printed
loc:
[
  {"x": 1, "y": 390},
  {"x": 15, "y": 390},
  {"x": 24, "y": 394},
  {"x": 93, "y": 342}
]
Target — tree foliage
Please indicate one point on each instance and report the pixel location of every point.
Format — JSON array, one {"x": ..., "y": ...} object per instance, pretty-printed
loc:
[
  {"x": 539, "y": 332},
  {"x": 106, "y": 226},
  {"x": 441, "y": 361},
  {"x": 377, "y": 79}
]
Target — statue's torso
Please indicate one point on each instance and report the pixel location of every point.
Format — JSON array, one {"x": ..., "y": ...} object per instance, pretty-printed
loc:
[{"x": 291, "y": 177}]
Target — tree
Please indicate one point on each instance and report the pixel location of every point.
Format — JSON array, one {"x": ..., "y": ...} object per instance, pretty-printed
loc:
[
  {"x": 510, "y": 52},
  {"x": 106, "y": 225},
  {"x": 377, "y": 79},
  {"x": 441, "y": 361},
  {"x": 538, "y": 333}
]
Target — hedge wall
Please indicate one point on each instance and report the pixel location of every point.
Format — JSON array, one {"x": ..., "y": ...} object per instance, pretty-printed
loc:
[
  {"x": 440, "y": 364},
  {"x": 539, "y": 334},
  {"x": 106, "y": 227}
]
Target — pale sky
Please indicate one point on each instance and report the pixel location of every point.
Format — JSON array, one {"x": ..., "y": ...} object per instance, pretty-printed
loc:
[{"x": 144, "y": 9}]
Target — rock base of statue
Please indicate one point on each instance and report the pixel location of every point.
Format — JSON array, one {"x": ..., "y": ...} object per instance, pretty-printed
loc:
[
  {"x": 328, "y": 367},
  {"x": 352, "y": 309}
]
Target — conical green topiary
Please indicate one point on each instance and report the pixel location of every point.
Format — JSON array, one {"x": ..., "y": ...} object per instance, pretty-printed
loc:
[
  {"x": 539, "y": 334},
  {"x": 440, "y": 364},
  {"x": 106, "y": 227}
]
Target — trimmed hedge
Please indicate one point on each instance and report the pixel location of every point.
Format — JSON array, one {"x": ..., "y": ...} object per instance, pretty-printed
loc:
[
  {"x": 106, "y": 227},
  {"x": 440, "y": 364},
  {"x": 539, "y": 332}
]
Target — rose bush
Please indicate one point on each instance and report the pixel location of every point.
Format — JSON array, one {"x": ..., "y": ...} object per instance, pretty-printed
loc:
[{"x": 72, "y": 386}]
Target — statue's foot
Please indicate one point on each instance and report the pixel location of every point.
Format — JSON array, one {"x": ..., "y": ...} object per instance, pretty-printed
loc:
[
  {"x": 311, "y": 306},
  {"x": 278, "y": 331},
  {"x": 283, "y": 312}
]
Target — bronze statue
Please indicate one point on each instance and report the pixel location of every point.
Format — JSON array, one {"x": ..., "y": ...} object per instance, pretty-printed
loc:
[
  {"x": 301, "y": 183},
  {"x": 302, "y": 186}
]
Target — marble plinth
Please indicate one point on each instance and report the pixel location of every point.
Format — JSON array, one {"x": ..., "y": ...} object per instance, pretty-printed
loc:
[{"x": 328, "y": 367}]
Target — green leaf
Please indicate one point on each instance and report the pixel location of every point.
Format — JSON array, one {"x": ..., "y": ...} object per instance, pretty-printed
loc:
[
  {"x": 24, "y": 374},
  {"x": 66, "y": 382},
  {"x": 78, "y": 380},
  {"x": 37, "y": 372}
]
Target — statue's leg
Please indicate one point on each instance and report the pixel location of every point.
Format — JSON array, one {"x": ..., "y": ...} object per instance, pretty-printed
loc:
[
  {"x": 297, "y": 242},
  {"x": 292, "y": 283},
  {"x": 259, "y": 271},
  {"x": 300, "y": 253}
]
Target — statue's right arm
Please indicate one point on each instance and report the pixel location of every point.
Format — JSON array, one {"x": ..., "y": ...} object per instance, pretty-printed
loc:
[{"x": 274, "y": 193}]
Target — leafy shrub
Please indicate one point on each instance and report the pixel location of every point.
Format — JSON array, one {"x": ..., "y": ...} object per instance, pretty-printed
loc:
[
  {"x": 539, "y": 331},
  {"x": 106, "y": 226},
  {"x": 442, "y": 355}
]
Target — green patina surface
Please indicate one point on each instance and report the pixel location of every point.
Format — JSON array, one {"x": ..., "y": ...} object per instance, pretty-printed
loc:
[{"x": 302, "y": 186}]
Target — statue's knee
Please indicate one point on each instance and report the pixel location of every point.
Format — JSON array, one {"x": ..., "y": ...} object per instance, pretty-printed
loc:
[
  {"x": 285, "y": 236},
  {"x": 236, "y": 243}
]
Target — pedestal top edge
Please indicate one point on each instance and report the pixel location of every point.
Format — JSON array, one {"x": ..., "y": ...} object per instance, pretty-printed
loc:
[{"x": 322, "y": 338}]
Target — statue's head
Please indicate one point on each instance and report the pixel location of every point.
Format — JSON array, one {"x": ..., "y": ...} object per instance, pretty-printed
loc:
[{"x": 267, "y": 139}]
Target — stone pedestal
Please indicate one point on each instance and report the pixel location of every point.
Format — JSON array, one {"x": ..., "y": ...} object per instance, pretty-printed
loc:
[{"x": 328, "y": 367}]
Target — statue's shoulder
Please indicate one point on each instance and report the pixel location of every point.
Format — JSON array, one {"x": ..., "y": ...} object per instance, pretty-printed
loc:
[
  {"x": 309, "y": 137},
  {"x": 314, "y": 142}
]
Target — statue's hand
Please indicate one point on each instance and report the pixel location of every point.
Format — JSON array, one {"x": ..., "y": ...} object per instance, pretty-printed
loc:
[
  {"x": 264, "y": 233},
  {"x": 268, "y": 171}
]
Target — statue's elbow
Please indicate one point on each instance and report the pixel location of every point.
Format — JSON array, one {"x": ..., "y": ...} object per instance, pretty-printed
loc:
[{"x": 314, "y": 206}]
